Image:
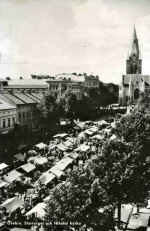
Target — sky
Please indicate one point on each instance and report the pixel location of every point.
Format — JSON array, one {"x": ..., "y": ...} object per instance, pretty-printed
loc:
[{"x": 64, "y": 36}]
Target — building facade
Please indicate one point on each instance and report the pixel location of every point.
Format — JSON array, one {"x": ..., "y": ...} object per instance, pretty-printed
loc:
[
  {"x": 8, "y": 116},
  {"x": 24, "y": 95},
  {"x": 78, "y": 84},
  {"x": 133, "y": 82}
]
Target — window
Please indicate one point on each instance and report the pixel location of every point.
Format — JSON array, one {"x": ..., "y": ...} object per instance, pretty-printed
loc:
[
  {"x": 19, "y": 115},
  {"x": 13, "y": 119},
  {"x": 27, "y": 114},
  {"x": 136, "y": 93},
  {"x": 4, "y": 123},
  {"x": 8, "y": 122},
  {"x": 23, "y": 115}
]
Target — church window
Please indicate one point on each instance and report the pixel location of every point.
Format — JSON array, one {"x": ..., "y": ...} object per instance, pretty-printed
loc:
[{"x": 136, "y": 93}]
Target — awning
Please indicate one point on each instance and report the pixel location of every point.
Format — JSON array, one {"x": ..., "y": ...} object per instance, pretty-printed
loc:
[
  {"x": 88, "y": 122},
  {"x": 40, "y": 160},
  {"x": 2, "y": 183},
  {"x": 98, "y": 137},
  {"x": 68, "y": 143},
  {"x": 12, "y": 176},
  {"x": 27, "y": 167},
  {"x": 62, "y": 147},
  {"x": 46, "y": 178},
  {"x": 77, "y": 128},
  {"x": 102, "y": 122},
  {"x": 60, "y": 135},
  {"x": 3, "y": 165},
  {"x": 41, "y": 145},
  {"x": 57, "y": 172},
  {"x": 88, "y": 132},
  {"x": 80, "y": 124},
  {"x": 82, "y": 148},
  {"x": 60, "y": 165},
  {"x": 19, "y": 229},
  {"x": 113, "y": 137},
  {"x": 38, "y": 210},
  {"x": 73, "y": 155},
  {"x": 12, "y": 204},
  {"x": 20, "y": 156},
  {"x": 67, "y": 160},
  {"x": 81, "y": 134}
]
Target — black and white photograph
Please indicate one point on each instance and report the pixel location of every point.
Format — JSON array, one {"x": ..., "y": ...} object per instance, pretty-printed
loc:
[{"x": 75, "y": 115}]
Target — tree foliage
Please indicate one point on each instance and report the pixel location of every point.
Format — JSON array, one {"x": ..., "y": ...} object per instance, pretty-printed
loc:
[
  {"x": 48, "y": 108},
  {"x": 120, "y": 173},
  {"x": 106, "y": 94},
  {"x": 80, "y": 199}
]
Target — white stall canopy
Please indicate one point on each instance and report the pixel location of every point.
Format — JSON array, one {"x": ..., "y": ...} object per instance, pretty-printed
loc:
[
  {"x": 12, "y": 176},
  {"x": 41, "y": 145},
  {"x": 12, "y": 204},
  {"x": 38, "y": 210}
]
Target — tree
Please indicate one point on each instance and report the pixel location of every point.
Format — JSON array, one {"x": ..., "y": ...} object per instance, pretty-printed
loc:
[
  {"x": 48, "y": 108},
  {"x": 85, "y": 106},
  {"x": 80, "y": 200},
  {"x": 70, "y": 105},
  {"x": 111, "y": 167},
  {"x": 144, "y": 101},
  {"x": 106, "y": 94},
  {"x": 134, "y": 129}
]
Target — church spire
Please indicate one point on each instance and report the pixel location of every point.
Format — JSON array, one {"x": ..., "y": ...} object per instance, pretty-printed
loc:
[
  {"x": 135, "y": 45},
  {"x": 134, "y": 60},
  {"x": 134, "y": 33}
]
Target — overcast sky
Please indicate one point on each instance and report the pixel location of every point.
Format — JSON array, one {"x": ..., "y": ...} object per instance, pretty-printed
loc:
[{"x": 65, "y": 36}]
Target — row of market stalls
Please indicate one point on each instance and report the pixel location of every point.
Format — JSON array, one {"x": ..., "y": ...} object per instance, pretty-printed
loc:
[{"x": 72, "y": 149}]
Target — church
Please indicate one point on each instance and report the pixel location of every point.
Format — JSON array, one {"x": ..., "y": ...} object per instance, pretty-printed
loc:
[{"x": 133, "y": 82}]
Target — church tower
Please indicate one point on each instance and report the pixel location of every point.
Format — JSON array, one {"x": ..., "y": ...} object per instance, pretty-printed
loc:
[{"x": 134, "y": 60}]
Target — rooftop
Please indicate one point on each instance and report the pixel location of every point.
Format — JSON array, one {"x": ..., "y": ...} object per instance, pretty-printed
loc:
[
  {"x": 23, "y": 98},
  {"x": 5, "y": 105},
  {"x": 136, "y": 78},
  {"x": 26, "y": 82}
]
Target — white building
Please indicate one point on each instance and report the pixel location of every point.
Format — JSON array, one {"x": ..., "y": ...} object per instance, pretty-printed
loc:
[{"x": 8, "y": 115}]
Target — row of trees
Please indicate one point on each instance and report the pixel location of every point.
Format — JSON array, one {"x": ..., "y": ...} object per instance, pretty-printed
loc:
[
  {"x": 67, "y": 106},
  {"x": 119, "y": 174}
]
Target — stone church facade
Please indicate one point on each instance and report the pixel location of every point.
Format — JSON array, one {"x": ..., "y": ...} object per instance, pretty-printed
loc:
[{"x": 133, "y": 82}]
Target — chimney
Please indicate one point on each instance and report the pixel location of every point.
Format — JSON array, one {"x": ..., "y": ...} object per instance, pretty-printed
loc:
[
  {"x": 1, "y": 86},
  {"x": 8, "y": 78}
]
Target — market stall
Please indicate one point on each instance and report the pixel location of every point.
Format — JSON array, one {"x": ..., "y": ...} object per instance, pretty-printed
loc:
[
  {"x": 41, "y": 146},
  {"x": 38, "y": 210},
  {"x": 12, "y": 176},
  {"x": 12, "y": 204},
  {"x": 46, "y": 178}
]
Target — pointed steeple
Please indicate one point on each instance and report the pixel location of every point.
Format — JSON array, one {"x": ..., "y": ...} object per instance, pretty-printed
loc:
[
  {"x": 134, "y": 60},
  {"x": 135, "y": 45},
  {"x": 134, "y": 33}
]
